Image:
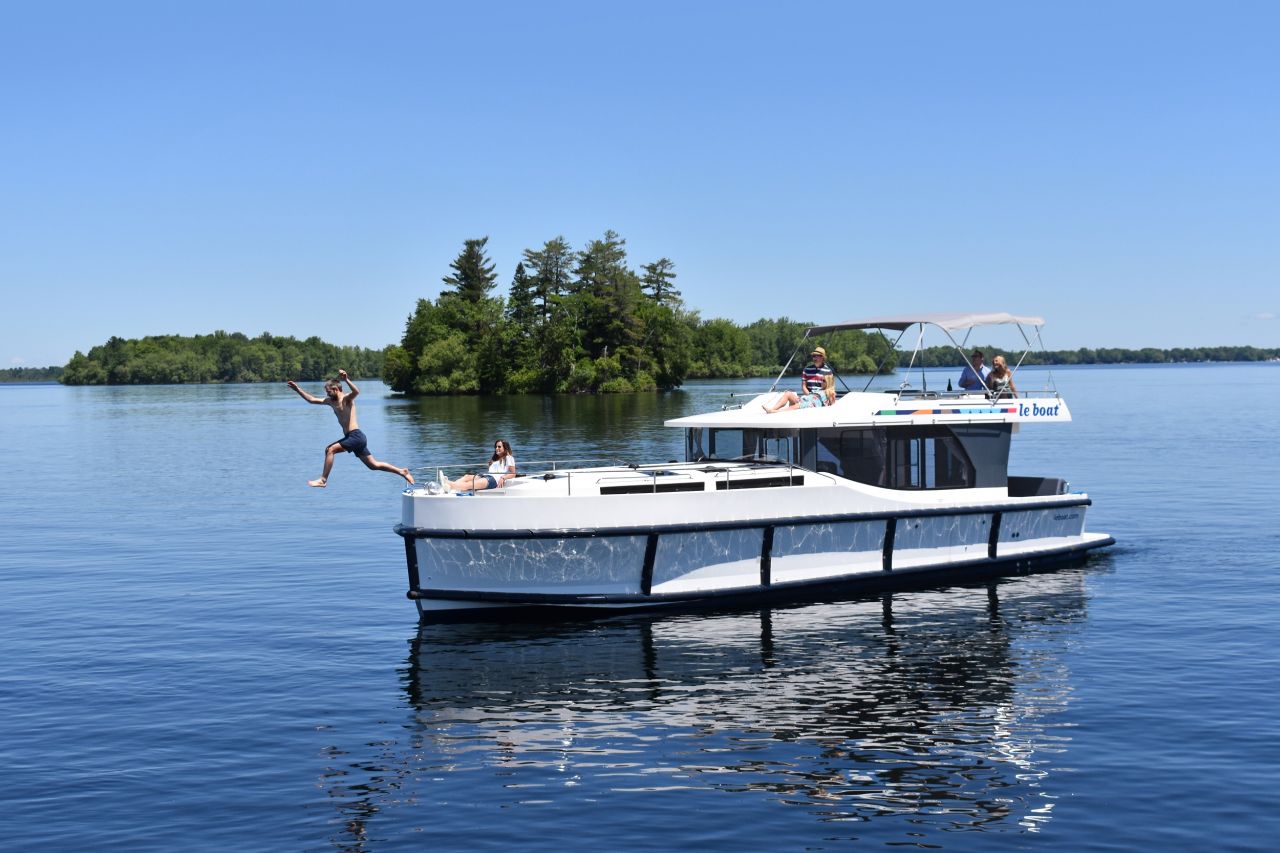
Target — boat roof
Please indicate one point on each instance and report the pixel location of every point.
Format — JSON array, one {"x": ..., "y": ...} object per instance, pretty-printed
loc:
[
  {"x": 948, "y": 321},
  {"x": 883, "y": 408},
  {"x": 903, "y": 405}
]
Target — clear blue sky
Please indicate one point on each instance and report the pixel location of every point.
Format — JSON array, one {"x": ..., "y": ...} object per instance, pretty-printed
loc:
[{"x": 313, "y": 167}]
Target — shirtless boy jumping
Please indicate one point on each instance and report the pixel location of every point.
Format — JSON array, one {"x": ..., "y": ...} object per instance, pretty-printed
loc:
[{"x": 353, "y": 440}]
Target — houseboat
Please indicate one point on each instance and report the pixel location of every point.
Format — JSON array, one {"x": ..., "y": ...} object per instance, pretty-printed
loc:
[{"x": 880, "y": 489}]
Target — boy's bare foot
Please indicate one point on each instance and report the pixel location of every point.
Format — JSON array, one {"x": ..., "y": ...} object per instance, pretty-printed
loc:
[
  {"x": 319, "y": 484},
  {"x": 404, "y": 472}
]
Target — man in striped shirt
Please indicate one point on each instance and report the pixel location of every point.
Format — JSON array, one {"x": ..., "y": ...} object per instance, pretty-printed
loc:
[{"x": 814, "y": 376}]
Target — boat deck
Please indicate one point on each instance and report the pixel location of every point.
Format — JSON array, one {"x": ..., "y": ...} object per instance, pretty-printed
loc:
[{"x": 556, "y": 480}]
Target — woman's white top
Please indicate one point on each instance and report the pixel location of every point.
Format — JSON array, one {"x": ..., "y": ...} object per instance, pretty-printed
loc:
[{"x": 505, "y": 465}]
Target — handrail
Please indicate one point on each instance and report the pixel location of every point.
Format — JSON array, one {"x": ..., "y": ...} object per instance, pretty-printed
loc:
[
  {"x": 908, "y": 392},
  {"x": 554, "y": 464},
  {"x": 593, "y": 468},
  {"x": 438, "y": 472}
]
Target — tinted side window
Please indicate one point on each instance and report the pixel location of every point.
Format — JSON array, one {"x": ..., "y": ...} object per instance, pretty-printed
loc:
[
  {"x": 928, "y": 458},
  {"x": 919, "y": 458},
  {"x": 738, "y": 444}
]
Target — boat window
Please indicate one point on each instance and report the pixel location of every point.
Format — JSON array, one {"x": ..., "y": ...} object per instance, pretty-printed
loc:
[
  {"x": 740, "y": 444},
  {"x": 858, "y": 454},
  {"x": 924, "y": 457},
  {"x": 774, "y": 445},
  {"x": 928, "y": 457}
]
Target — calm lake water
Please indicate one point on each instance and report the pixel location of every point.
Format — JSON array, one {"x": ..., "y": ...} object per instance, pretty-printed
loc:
[{"x": 202, "y": 653}]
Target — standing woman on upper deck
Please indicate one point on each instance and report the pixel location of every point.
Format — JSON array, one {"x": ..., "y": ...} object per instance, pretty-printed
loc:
[{"x": 1000, "y": 379}]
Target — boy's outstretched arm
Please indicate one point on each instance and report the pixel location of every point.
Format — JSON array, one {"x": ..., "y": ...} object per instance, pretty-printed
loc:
[
  {"x": 355, "y": 392},
  {"x": 310, "y": 398}
]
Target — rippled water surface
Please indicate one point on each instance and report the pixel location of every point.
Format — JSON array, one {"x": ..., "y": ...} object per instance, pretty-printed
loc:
[{"x": 201, "y": 653}]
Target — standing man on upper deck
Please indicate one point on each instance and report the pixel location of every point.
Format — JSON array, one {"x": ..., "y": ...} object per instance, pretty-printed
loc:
[
  {"x": 974, "y": 376},
  {"x": 814, "y": 376}
]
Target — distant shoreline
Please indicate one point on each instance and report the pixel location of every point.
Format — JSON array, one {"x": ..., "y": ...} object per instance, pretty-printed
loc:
[{"x": 6, "y": 379}]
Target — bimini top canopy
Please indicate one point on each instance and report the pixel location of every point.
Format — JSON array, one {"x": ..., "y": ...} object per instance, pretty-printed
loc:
[{"x": 949, "y": 322}]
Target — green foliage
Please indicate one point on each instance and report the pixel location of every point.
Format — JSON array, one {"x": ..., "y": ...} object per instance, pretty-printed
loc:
[
  {"x": 657, "y": 279},
  {"x": 853, "y": 351},
  {"x": 864, "y": 364},
  {"x": 81, "y": 370},
  {"x": 219, "y": 357},
  {"x": 721, "y": 349},
  {"x": 616, "y": 386},
  {"x": 524, "y": 380},
  {"x": 572, "y": 322},
  {"x": 446, "y": 365},
  {"x": 643, "y": 382},
  {"x": 669, "y": 336},
  {"x": 773, "y": 342},
  {"x": 582, "y": 377},
  {"x": 397, "y": 368},
  {"x": 31, "y": 374},
  {"x": 608, "y": 293},
  {"x": 584, "y": 322},
  {"x": 473, "y": 275},
  {"x": 522, "y": 315}
]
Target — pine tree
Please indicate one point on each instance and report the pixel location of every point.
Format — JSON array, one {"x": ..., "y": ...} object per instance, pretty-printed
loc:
[
  {"x": 552, "y": 270},
  {"x": 657, "y": 279},
  {"x": 473, "y": 276},
  {"x": 521, "y": 310},
  {"x": 609, "y": 291}
]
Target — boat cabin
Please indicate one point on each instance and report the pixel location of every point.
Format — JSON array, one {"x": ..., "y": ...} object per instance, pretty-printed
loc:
[
  {"x": 905, "y": 438},
  {"x": 911, "y": 456}
]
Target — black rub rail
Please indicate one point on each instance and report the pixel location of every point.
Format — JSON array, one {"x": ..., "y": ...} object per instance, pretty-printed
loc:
[
  {"x": 1018, "y": 562},
  {"x": 997, "y": 511}
]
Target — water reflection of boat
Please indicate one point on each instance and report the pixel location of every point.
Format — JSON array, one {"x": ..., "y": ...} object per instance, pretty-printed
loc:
[
  {"x": 940, "y": 700},
  {"x": 871, "y": 491}
]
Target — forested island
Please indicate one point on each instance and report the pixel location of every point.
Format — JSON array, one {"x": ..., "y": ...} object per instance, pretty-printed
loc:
[
  {"x": 576, "y": 321},
  {"x": 217, "y": 357},
  {"x": 587, "y": 321},
  {"x": 571, "y": 321}
]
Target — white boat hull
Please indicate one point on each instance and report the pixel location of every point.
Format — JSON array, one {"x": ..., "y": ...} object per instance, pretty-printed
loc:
[{"x": 748, "y": 546}]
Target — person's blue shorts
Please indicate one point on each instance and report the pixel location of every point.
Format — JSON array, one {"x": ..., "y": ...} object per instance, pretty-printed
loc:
[
  {"x": 493, "y": 481},
  {"x": 355, "y": 442}
]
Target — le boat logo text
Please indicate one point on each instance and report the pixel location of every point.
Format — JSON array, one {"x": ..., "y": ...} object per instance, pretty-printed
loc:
[{"x": 1035, "y": 410}]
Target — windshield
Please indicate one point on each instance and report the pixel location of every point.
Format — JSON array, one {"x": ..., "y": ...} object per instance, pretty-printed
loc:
[{"x": 740, "y": 445}]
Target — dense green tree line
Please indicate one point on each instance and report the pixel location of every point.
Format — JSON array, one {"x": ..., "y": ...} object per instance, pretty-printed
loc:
[
  {"x": 30, "y": 374},
  {"x": 571, "y": 321},
  {"x": 219, "y": 357},
  {"x": 946, "y": 356},
  {"x": 586, "y": 321}
]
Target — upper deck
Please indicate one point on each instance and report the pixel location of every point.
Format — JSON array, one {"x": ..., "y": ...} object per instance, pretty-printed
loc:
[
  {"x": 870, "y": 408},
  {"x": 904, "y": 405}
]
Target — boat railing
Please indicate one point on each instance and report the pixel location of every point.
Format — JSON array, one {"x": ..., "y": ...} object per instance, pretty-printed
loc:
[
  {"x": 577, "y": 469},
  {"x": 536, "y": 468},
  {"x": 960, "y": 394},
  {"x": 912, "y": 393}
]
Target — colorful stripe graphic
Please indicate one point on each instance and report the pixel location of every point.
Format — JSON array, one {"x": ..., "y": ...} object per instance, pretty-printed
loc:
[{"x": 990, "y": 410}]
